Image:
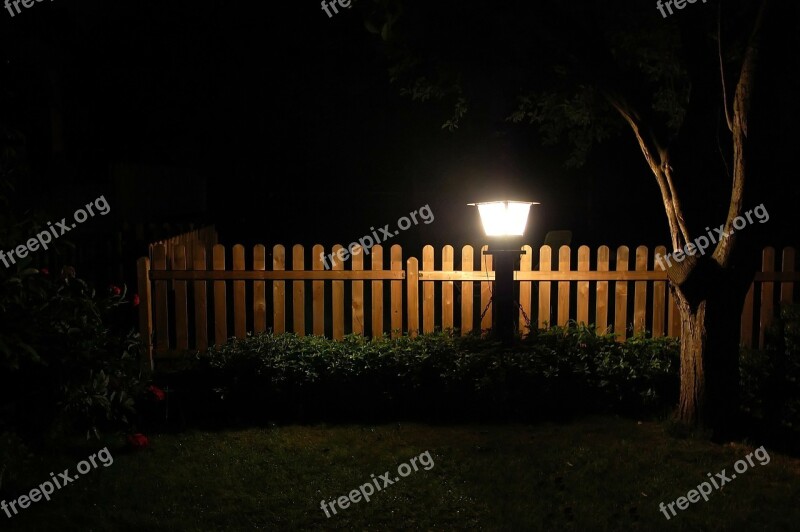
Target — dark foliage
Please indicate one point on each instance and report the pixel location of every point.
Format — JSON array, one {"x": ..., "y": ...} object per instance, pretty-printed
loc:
[
  {"x": 69, "y": 363},
  {"x": 554, "y": 374},
  {"x": 771, "y": 379}
]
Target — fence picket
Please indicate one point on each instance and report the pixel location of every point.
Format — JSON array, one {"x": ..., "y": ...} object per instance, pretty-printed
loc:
[
  {"x": 545, "y": 261},
  {"x": 239, "y": 309},
  {"x": 298, "y": 292},
  {"x": 563, "y": 286},
  {"x": 181, "y": 304},
  {"x": 161, "y": 313},
  {"x": 337, "y": 295},
  {"x": 659, "y": 301},
  {"x": 427, "y": 291},
  {"x": 621, "y": 296},
  {"x": 200, "y": 299},
  {"x": 259, "y": 290},
  {"x": 767, "y": 295},
  {"x": 601, "y": 306},
  {"x": 447, "y": 288},
  {"x": 787, "y": 266},
  {"x": 220, "y": 302},
  {"x": 145, "y": 313},
  {"x": 318, "y": 291},
  {"x": 357, "y": 290},
  {"x": 279, "y": 290},
  {"x": 674, "y": 317},
  {"x": 467, "y": 265},
  {"x": 583, "y": 286},
  {"x": 377, "y": 292},
  {"x": 397, "y": 292},
  {"x": 412, "y": 288},
  {"x": 640, "y": 292}
]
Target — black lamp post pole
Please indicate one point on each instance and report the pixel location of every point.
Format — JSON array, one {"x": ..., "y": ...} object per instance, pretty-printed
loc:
[{"x": 503, "y": 293}]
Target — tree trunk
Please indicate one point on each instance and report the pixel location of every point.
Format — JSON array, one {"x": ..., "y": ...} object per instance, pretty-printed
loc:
[{"x": 710, "y": 332}]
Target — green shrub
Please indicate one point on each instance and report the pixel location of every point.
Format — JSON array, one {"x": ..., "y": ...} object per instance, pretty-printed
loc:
[
  {"x": 771, "y": 377},
  {"x": 552, "y": 373},
  {"x": 64, "y": 366},
  {"x": 65, "y": 362}
]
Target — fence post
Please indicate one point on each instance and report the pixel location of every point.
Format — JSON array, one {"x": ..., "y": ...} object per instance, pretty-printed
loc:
[{"x": 145, "y": 313}]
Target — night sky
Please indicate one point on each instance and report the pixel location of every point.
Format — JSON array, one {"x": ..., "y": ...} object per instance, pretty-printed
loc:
[{"x": 279, "y": 124}]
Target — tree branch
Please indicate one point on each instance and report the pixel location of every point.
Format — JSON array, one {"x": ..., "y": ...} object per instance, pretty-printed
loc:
[
  {"x": 722, "y": 69},
  {"x": 667, "y": 169},
  {"x": 741, "y": 112},
  {"x": 660, "y": 168}
]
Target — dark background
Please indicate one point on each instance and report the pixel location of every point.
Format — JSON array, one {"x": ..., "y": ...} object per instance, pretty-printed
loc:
[{"x": 279, "y": 125}]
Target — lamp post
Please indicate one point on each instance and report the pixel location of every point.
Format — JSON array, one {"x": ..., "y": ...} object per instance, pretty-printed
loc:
[{"x": 504, "y": 222}]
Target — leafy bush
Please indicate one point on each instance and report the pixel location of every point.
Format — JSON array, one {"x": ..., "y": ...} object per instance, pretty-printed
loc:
[
  {"x": 640, "y": 373},
  {"x": 63, "y": 365},
  {"x": 557, "y": 372},
  {"x": 66, "y": 360},
  {"x": 771, "y": 378}
]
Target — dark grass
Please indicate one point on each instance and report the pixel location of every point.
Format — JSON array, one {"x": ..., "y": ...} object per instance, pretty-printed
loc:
[{"x": 593, "y": 474}]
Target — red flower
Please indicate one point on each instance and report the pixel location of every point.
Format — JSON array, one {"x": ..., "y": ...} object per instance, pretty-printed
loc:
[
  {"x": 135, "y": 300},
  {"x": 116, "y": 290},
  {"x": 44, "y": 271},
  {"x": 157, "y": 392},
  {"x": 138, "y": 441}
]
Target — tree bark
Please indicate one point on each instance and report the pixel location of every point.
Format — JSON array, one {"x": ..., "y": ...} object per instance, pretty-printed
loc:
[{"x": 710, "y": 323}]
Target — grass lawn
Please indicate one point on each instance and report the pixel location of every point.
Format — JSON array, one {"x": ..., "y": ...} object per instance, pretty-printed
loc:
[{"x": 592, "y": 474}]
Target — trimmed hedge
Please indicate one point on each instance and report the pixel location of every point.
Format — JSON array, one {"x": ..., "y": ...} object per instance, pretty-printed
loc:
[{"x": 553, "y": 374}]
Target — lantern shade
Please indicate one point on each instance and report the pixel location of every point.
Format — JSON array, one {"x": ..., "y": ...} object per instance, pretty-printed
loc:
[{"x": 504, "y": 218}]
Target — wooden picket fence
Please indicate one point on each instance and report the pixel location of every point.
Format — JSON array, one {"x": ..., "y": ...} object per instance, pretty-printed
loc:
[
  {"x": 191, "y": 299},
  {"x": 205, "y": 236}
]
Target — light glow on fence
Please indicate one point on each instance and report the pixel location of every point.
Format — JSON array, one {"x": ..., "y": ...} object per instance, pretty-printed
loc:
[{"x": 504, "y": 218}]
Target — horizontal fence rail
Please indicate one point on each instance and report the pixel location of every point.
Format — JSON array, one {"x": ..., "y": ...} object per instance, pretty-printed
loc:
[{"x": 199, "y": 294}]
